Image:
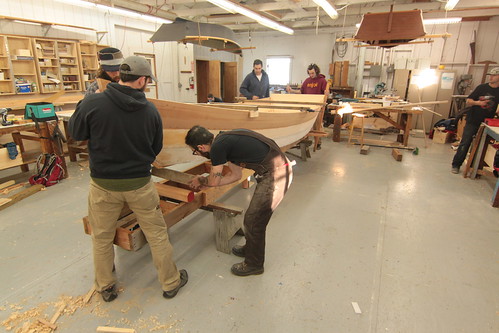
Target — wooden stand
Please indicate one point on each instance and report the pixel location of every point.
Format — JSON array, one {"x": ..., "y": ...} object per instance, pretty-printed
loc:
[{"x": 130, "y": 237}]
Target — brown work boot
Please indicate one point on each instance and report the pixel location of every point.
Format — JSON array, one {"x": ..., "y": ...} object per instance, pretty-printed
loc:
[{"x": 242, "y": 269}]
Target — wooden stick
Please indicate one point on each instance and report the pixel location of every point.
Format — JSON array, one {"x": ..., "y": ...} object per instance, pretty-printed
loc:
[
  {"x": 46, "y": 323},
  {"x": 109, "y": 329},
  {"x": 57, "y": 313},
  {"x": 89, "y": 295}
]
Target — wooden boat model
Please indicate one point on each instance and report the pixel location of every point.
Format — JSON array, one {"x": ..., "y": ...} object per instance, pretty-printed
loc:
[{"x": 285, "y": 118}]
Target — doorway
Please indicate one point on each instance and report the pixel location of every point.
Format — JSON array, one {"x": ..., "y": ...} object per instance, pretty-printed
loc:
[{"x": 218, "y": 78}]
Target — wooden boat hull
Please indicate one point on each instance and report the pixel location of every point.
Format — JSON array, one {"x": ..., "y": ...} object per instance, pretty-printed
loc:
[{"x": 286, "y": 127}]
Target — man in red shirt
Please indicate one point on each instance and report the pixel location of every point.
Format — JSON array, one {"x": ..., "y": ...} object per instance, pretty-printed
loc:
[{"x": 315, "y": 83}]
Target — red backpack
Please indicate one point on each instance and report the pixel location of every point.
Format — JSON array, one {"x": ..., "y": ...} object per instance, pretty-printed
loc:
[{"x": 49, "y": 170}]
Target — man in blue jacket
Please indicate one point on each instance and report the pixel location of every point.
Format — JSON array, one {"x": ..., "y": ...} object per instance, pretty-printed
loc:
[
  {"x": 256, "y": 84},
  {"x": 125, "y": 133}
]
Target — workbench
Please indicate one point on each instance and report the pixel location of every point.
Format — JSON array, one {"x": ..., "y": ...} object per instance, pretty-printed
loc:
[
  {"x": 403, "y": 123},
  {"x": 74, "y": 147},
  {"x": 177, "y": 201},
  {"x": 42, "y": 134},
  {"x": 488, "y": 133}
]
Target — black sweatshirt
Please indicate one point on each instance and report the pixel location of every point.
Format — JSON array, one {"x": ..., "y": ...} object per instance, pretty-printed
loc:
[{"x": 124, "y": 130}]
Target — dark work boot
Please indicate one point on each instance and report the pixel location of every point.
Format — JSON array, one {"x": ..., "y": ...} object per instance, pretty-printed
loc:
[
  {"x": 109, "y": 294},
  {"x": 238, "y": 250},
  {"x": 242, "y": 269},
  {"x": 183, "y": 281}
]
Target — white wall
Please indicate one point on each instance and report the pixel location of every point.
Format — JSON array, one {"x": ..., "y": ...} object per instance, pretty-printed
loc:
[
  {"x": 305, "y": 47},
  {"x": 304, "y": 50},
  {"x": 454, "y": 52}
]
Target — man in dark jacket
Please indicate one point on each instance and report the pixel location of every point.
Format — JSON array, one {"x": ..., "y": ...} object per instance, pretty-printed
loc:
[
  {"x": 484, "y": 104},
  {"x": 256, "y": 84},
  {"x": 273, "y": 172},
  {"x": 124, "y": 133}
]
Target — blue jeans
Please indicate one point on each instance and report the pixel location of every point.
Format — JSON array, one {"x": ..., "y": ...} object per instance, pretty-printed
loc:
[{"x": 469, "y": 132}]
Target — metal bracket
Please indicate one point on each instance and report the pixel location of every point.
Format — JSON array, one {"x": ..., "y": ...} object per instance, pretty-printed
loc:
[
  {"x": 45, "y": 29},
  {"x": 100, "y": 35}
]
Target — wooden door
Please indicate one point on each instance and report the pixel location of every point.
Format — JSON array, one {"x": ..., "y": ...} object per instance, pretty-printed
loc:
[
  {"x": 208, "y": 79},
  {"x": 229, "y": 82},
  {"x": 201, "y": 80}
]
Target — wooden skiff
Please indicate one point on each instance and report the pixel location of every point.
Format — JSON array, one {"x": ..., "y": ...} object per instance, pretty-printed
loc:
[{"x": 284, "y": 118}]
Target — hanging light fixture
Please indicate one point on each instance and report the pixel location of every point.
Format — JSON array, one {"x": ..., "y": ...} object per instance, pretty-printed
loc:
[
  {"x": 117, "y": 11},
  {"x": 328, "y": 8},
  {"x": 451, "y": 4},
  {"x": 233, "y": 7}
]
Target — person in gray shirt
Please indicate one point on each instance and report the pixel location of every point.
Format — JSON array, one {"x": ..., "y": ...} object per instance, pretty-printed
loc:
[{"x": 256, "y": 84}]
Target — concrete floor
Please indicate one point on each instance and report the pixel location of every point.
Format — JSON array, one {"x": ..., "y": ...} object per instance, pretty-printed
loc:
[{"x": 414, "y": 245}]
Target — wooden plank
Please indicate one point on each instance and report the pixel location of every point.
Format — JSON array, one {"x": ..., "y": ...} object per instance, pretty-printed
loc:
[
  {"x": 110, "y": 329},
  {"x": 173, "y": 192},
  {"x": 471, "y": 158},
  {"x": 4, "y": 201},
  {"x": 397, "y": 155},
  {"x": 176, "y": 176},
  {"x": 7, "y": 184},
  {"x": 12, "y": 188},
  {"x": 22, "y": 195}
]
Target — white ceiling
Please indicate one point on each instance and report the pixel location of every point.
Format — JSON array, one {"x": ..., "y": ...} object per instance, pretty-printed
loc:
[{"x": 303, "y": 14}]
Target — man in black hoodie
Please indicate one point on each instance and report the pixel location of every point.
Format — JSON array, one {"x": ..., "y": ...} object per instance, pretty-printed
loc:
[{"x": 124, "y": 133}]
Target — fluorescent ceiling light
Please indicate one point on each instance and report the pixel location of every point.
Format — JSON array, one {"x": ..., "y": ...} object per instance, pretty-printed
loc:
[
  {"x": 451, "y": 4},
  {"x": 328, "y": 8},
  {"x": 448, "y": 20},
  {"x": 117, "y": 11},
  {"x": 235, "y": 8}
]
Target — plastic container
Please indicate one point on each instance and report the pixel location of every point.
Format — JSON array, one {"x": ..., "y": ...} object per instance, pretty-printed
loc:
[
  {"x": 23, "y": 87},
  {"x": 492, "y": 122}
]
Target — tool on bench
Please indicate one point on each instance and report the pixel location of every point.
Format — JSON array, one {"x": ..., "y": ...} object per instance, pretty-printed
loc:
[{"x": 3, "y": 112}]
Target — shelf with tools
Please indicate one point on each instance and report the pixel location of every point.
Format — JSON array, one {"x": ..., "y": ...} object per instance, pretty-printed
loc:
[
  {"x": 47, "y": 65},
  {"x": 67, "y": 54},
  {"x": 19, "y": 58}
]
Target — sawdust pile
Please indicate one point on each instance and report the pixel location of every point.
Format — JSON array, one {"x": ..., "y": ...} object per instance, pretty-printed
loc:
[{"x": 28, "y": 321}]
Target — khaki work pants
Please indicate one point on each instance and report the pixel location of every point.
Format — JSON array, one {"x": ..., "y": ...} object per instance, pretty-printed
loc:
[{"x": 104, "y": 208}]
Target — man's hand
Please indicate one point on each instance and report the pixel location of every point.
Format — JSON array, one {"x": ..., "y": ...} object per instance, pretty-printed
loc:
[
  {"x": 198, "y": 183},
  {"x": 255, "y": 97}
]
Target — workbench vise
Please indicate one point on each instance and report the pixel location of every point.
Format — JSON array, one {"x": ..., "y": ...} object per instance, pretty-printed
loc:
[{"x": 3, "y": 113}]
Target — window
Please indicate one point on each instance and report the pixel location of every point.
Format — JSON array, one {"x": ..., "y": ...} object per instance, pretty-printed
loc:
[{"x": 279, "y": 70}]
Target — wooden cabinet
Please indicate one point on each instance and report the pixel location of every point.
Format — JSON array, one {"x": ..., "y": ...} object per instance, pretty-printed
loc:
[
  {"x": 44, "y": 65},
  {"x": 22, "y": 63},
  {"x": 47, "y": 65},
  {"x": 89, "y": 62},
  {"x": 67, "y": 54},
  {"x": 6, "y": 78}
]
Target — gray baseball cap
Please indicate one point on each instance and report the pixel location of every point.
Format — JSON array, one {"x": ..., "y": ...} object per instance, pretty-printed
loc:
[
  {"x": 138, "y": 66},
  {"x": 494, "y": 71}
]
